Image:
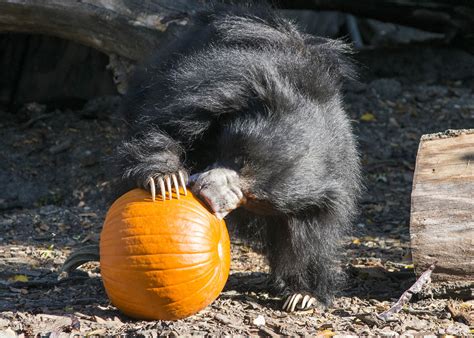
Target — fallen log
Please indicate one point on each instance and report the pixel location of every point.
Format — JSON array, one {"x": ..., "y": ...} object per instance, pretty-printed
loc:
[
  {"x": 131, "y": 28},
  {"x": 127, "y": 28},
  {"x": 442, "y": 206}
]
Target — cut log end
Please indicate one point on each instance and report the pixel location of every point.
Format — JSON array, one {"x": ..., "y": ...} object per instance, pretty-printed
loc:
[{"x": 442, "y": 206}]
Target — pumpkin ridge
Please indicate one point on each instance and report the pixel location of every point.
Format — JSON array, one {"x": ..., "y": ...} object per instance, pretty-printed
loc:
[
  {"x": 145, "y": 227},
  {"x": 124, "y": 199},
  {"x": 223, "y": 275},
  {"x": 204, "y": 274},
  {"x": 153, "y": 215},
  {"x": 141, "y": 244},
  {"x": 150, "y": 238},
  {"x": 198, "y": 265},
  {"x": 119, "y": 205},
  {"x": 133, "y": 247},
  {"x": 198, "y": 291},
  {"x": 185, "y": 204},
  {"x": 195, "y": 279},
  {"x": 190, "y": 205},
  {"x": 158, "y": 220},
  {"x": 154, "y": 234},
  {"x": 136, "y": 305},
  {"x": 124, "y": 206},
  {"x": 129, "y": 301},
  {"x": 160, "y": 253}
]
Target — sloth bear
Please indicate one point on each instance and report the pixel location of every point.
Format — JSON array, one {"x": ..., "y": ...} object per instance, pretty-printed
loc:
[{"x": 247, "y": 111}]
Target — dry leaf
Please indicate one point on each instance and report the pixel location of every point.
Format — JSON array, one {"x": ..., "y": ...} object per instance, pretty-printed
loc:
[
  {"x": 367, "y": 117},
  {"x": 326, "y": 333},
  {"x": 19, "y": 278}
]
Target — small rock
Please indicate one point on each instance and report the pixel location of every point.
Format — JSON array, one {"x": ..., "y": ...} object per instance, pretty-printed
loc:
[
  {"x": 386, "y": 88},
  {"x": 100, "y": 107},
  {"x": 223, "y": 319},
  {"x": 60, "y": 147},
  {"x": 6, "y": 222},
  {"x": 416, "y": 324},
  {"x": 147, "y": 333},
  {"x": 356, "y": 86},
  {"x": 48, "y": 210},
  {"x": 3, "y": 323},
  {"x": 259, "y": 321},
  {"x": 409, "y": 334},
  {"x": 386, "y": 332},
  {"x": 393, "y": 122},
  {"x": 8, "y": 333},
  {"x": 458, "y": 329},
  {"x": 44, "y": 227},
  {"x": 35, "y": 107},
  {"x": 428, "y": 93},
  {"x": 62, "y": 335},
  {"x": 100, "y": 320},
  {"x": 89, "y": 159},
  {"x": 29, "y": 111}
]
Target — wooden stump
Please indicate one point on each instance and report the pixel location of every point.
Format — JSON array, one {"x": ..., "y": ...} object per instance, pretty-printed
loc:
[{"x": 442, "y": 206}]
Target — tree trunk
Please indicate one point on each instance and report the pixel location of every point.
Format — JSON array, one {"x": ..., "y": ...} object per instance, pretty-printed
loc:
[
  {"x": 442, "y": 206},
  {"x": 128, "y": 28}
]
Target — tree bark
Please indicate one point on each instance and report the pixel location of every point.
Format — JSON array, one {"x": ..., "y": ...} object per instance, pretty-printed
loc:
[
  {"x": 442, "y": 206},
  {"x": 128, "y": 28},
  {"x": 441, "y": 16}
]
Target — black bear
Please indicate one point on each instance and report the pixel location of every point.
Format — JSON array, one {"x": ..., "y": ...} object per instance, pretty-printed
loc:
[{"x": 247, "y": 110}]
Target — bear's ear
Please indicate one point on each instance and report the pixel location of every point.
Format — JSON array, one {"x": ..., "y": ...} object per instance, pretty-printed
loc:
[{"x": 336, "y": 56}]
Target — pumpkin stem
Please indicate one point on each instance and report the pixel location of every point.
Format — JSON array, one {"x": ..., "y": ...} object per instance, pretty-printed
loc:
[{"x": 89, "y": 253}]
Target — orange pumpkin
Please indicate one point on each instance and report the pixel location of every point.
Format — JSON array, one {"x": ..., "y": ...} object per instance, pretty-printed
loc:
[{"x": 165, "y": 259}]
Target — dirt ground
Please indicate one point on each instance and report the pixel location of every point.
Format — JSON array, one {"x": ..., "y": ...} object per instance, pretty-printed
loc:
[{"x": 53, "y": 199}]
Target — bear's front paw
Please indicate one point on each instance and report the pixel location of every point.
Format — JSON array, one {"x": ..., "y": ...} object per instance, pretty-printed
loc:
[{"x": 219, "y": 188}]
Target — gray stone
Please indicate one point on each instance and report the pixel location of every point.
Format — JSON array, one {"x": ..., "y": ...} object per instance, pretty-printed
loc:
[{"x": 386, "y": 88}]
